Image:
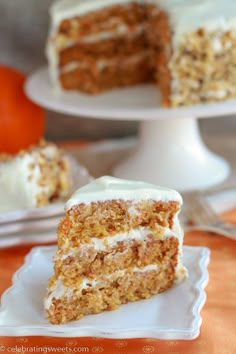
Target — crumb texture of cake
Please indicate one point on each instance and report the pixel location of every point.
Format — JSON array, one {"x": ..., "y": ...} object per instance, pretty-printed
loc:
[
  {"x": 186, "y": 46},
  {"x": 119, "y": 241},
  {"x": 102, "y": 46},
  {"x": 35, "y": 177}
]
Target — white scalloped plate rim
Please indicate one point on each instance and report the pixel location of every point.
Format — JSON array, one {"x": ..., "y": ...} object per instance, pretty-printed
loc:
[{"x": 73, "y": 330}]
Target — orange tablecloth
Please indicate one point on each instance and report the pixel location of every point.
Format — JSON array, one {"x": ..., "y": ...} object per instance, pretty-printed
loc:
[{"x": 218, "y": 331}]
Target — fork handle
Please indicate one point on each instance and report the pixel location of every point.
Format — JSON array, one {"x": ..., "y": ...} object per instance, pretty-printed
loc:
[{"x": 225, "y": 228}]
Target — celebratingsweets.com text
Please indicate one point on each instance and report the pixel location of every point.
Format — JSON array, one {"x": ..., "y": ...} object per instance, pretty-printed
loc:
[{"x": 42, "y": 349}]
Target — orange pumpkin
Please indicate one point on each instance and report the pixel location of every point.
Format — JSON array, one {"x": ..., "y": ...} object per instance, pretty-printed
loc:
[{"x": 22, "y": 122}]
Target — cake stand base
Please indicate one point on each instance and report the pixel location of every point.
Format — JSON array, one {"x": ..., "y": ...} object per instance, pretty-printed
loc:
[{"x": 172, "y": 153}]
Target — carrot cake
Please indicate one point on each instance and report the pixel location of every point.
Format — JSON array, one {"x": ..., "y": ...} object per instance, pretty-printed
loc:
[
  {"x": 120, "y": 241},
  {"x": 188, "y": 47},
  {"x": 34, "y": 177}
]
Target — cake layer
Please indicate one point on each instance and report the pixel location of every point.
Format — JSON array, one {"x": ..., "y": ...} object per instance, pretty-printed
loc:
[
  {"x": 104, "y": 219},
  {"x": 95, "y": 11},
  {"x": 96, "y": 76},
  {"x": 110, "y": 22},
  {"x": 89, "y": 262},
  {"x": 67, "y": 304},
  {"x": 119, "y": 48}
]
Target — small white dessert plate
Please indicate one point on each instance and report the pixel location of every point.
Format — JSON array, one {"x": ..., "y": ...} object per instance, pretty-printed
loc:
[{"x": 174, "y": 314}]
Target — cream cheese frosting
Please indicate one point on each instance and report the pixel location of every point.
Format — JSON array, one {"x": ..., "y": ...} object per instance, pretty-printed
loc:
[
  {"x": 111, "y": 188},
  {"x": 65, "y": 9},
  {"x": 186, "y": 16},
  {"x": 138, "y": 234},
  {"x": 19, "y": 180},
  {"x": 59, "y": 290}
]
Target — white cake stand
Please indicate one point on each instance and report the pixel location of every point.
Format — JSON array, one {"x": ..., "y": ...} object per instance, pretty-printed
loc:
[{"x": 170, "y": 151}]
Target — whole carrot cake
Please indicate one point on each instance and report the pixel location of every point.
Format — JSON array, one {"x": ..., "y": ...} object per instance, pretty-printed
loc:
[
  {"x": 186, "y": 46},
  {"x": 120, "y": 241}
]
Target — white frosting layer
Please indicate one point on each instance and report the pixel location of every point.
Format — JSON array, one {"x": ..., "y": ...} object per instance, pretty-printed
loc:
[
  {"x": 104, "y": 63},
  {"x": 119, "y": 31},
  {"x": 59, "y": 290},
  {"x": 185, "y": 15},
  {"x": 139, "y": 234},
  {"x": 111, "y": 188},
  {"x": 19, "y": 185},
  {"x": 65, "y": 9},
  {"x": 101, "y": 244},
  {"x": 189, "y": 15}
]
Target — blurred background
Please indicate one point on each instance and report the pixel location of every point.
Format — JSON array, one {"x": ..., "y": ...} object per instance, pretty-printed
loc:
[{"x": 23, "y": 31}]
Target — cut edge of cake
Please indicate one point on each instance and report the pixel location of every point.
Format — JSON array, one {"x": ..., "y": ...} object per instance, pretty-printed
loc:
[
  {"x": 190, "y": 52},
  {"x": 120, "y": 241}
]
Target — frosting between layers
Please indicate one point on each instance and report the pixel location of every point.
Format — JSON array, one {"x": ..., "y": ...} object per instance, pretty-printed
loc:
[
  {"x": 111, "y": 188},
  {"x": 102, "y": 63},
  {"x": 119, "y": 31},
  {"x": 139, "y": 234},
  {"x": 58, "y": 290}
]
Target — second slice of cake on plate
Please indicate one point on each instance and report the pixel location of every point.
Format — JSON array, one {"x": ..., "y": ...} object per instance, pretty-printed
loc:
[
  {"x": 120, "y": 241},
  {"x": 34, "y": 177}
]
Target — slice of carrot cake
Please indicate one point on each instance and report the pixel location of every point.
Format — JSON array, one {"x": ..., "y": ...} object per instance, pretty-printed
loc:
[
  {"x": 34, "y": 177},
  {"x": 120, "y": 241}
]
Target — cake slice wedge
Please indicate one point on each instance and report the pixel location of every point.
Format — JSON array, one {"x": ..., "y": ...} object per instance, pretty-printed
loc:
[{"x": 120, "y": 241}]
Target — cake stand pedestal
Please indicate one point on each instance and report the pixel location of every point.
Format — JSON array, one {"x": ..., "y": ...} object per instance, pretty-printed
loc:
[{"x": 170, "y": 151}]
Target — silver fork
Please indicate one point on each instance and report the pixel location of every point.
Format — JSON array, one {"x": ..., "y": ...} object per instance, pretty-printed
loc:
[{"x": 198, "y": 214}]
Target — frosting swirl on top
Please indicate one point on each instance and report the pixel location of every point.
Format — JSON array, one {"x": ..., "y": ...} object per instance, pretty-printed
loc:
[
  {"x": 65, "y": 9},
  {"x": 111, "y": 188}
]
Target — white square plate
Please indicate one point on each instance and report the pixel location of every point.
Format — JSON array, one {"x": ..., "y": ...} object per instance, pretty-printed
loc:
[{"x": 174, "y": 314}]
